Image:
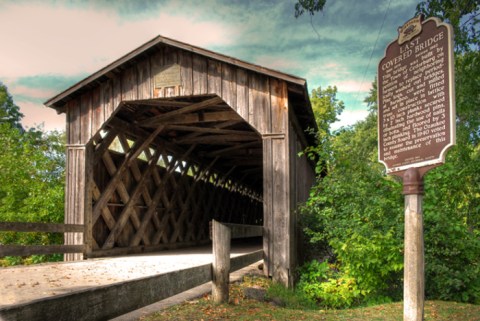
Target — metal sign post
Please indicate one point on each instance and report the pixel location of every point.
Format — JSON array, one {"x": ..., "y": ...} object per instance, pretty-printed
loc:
[{"x": 416, "y": 127}]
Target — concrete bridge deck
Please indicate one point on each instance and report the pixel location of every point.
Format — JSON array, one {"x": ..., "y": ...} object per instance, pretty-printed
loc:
[{"x": 30, "y": 285}]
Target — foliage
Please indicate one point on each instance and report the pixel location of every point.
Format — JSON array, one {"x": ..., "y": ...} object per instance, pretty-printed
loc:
[
  {"x": 326, "y": 108},
  {"x": 32, "y": 174},
  {"x": 356, "y": 211},
  {"x": 9, "y": 112},
  {"x": 463, "y": 15},
  {"x": 291, "y": 298},
  {"x": 310, "y": 6},
  {"x": 240, "y": 308},
  {"x": 326, "y": 286},
  {"x": 452, "y": 200}
]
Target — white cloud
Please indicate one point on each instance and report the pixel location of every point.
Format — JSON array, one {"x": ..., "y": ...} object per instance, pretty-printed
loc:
[
  {"x": 35, "y": 93},
  {"x": 349, "y": 117},
  {"x": 353, "y": 86},
  {"x": 36, "y": 114},
  {"x": 41, "y": 39}
]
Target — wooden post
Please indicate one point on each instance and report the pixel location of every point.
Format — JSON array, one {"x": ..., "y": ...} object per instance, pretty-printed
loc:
[
  {"x": 414, "y": 264},
  {"x": 221, "y": 236}
]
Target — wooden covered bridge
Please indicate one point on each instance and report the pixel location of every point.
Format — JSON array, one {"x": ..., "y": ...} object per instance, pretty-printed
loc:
[{"x": 171, "y": 136}]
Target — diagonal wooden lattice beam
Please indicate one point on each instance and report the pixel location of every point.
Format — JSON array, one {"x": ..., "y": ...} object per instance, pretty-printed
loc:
[
  {"x": 129, "y": 207},
  {"x": 157, "y": 197},
  {"x": 130, "y": 156},
  {"x": 177, "y": 231},
  {"x": 176, "y": 186},
  {"x": 185, "y": 110},
  {"x": 122, "y": 190},
  {"x": 103, "y": 145},
  {"x": 105, "y": 212}
]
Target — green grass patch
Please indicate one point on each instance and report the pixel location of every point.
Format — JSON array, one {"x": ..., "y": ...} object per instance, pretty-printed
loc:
[{"x": 296, "y": 307}]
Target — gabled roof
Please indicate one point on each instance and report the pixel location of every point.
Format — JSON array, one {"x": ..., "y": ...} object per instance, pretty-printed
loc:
[
  {"x": 54, "y": 102},
  {"x": 297, "y": 86}
]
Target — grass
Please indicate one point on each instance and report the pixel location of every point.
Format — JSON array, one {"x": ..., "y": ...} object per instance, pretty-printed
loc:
[{"x": 297, "y": 308}]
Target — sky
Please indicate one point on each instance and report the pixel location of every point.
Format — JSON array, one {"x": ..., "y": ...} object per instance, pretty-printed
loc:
[{"x": 49, "y": 45}]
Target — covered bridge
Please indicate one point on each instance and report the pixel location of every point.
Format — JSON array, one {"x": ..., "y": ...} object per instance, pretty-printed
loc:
[{"x": 170, "y": 136}]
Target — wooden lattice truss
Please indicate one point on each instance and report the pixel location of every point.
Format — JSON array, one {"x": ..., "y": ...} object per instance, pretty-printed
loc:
[{"x": 163, "y": 168}]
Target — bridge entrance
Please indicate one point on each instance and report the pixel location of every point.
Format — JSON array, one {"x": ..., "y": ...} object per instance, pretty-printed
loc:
[
  {"x": 170, "y": 136},
  {"x": 163, "y": 168}
]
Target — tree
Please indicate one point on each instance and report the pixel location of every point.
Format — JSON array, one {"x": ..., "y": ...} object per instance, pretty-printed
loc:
[
  {"x": 357, "y": 211},
  {"x": 310, "y": 6},
  {"x": 9, "y": 112},
  {"x": 354, "y": 210},
  {"x": 326, "y": 109},
  {"x": 32, "y": 174},
  {"x": 463, "y": 15}
]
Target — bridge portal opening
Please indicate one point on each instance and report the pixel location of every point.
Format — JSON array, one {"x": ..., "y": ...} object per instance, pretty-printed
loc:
[{"x": 163, "y": 168}]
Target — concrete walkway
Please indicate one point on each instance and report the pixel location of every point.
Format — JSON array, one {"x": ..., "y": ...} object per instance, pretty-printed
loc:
[{"x": 31, "y": 283}]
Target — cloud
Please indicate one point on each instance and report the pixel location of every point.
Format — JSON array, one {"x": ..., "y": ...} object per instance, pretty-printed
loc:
[
  {"x": 36, "y": 114},
  {"x": 43, "y": 39},
  {"x": 48, "y": 45},
  {"x": 349, "y": 117}
]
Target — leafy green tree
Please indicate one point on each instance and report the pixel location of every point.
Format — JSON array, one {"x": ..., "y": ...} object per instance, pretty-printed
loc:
[
  {"x": 463, "y": 15},
  {"x": 326, "y": 109},
  {"x": 357, "y": 211},
  {"x": 310, "y": 6},
  {"x": 32, "y": 174},
  {"x": 9, "y": 112},
  {"x": 452, "y": 200}
]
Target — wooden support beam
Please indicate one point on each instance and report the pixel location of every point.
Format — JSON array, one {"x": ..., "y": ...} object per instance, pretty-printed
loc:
[
  {"x": 213, "y": 130},
  {"x": 127, "y": 210},
  {"x": 205, "y": 117},
  {"x": 40, "y": 227},
  {"x": 171, "y": 168},
  {"x": 221, "y": 237},
  {"x": 156, "y": 199},
  {"x": 130, "y": 156},
  {"x": 185, "y": 110},
  {"x": 27, "y": 250},
  {"x": 104, "y": 144},
  {"x": 186, "y": 203},
  {"x": 225, "y": 151},
  {"x": 216, "y": 139}
]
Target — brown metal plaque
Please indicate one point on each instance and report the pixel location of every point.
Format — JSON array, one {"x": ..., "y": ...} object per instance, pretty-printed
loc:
[
  {"x": 168, "y": 76},
  {"x": 416, "y": 99}
]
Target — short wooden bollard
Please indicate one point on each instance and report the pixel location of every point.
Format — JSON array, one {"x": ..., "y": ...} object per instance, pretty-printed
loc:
[{"x": 221, "y": 236}]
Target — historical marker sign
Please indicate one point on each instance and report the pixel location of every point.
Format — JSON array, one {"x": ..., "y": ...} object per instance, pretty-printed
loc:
[{"x": 416, "y": 99}]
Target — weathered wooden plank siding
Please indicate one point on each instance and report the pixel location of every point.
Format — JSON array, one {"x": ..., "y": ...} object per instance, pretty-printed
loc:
[
  {"x": 302, "y": 177},
  {"x": 214, "y": 77},
  {"x": 268, "y": 221},
  {"x": 200, "y": 75},
  {"x": 259, "y": 112},
  {"x": 242, "y": 105},
  {"x": 229, "y": 88},
  {"x": 144, "y": 79},
  {"x": 75, "y": 196},
  {"x": 185, "y": 60},
  {"x": 247, "y": 92}
]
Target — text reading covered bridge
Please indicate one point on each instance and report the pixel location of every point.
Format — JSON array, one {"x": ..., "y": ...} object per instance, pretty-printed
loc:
[{"x": 171, "y": 136}]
